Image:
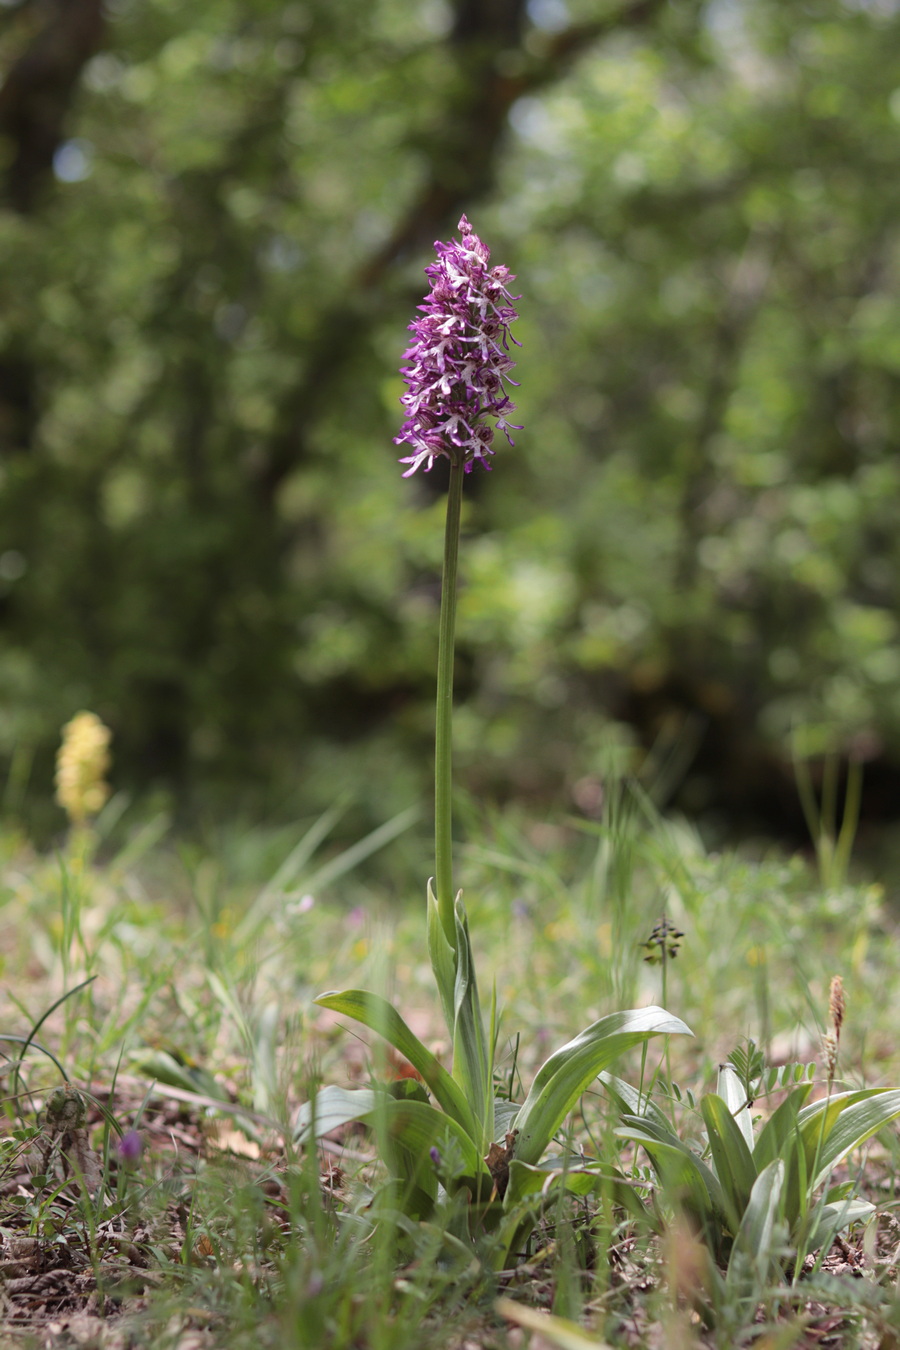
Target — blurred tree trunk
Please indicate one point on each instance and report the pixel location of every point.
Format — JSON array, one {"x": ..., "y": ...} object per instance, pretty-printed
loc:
[{"x": 35, "y": 99}]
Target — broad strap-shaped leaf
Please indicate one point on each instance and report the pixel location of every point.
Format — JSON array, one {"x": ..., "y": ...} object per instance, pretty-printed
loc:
[
  {"x": 505, "y": 1113},
  {"x": 834, "y": 1217},
  {"x": 531, "y": 1189},
  {"x": 564, "y": 1076},
  {"x": 731, "y": 1090},
  {"x": 331, "y": 1108},
  {"x": 680, "y": 1171},
  {"x": 774, "y": 1139},
  {"x": 378, "y": 1015},
  {"x": 525, "y": 1180},
  {"x": 471, "y": 1052},
  {"x": 631, "y": 1101},
  {"x": 758, "y": 1243},
  {"x": 416, "y": 1126},
  {"x": 581, "y": 1179},
  {"x": 731, "y": 1157},
  {"x": 850, "y": 1118},
  {"x": 529, "y": 1192},
  {"x": 443, "y": 957}
]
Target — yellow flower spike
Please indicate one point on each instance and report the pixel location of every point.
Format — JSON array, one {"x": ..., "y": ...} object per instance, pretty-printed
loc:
[{"x": 82, "y": 764}]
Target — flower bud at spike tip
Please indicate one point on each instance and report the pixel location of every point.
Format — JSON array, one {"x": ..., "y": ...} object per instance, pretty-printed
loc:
[
  {"x": 459, "y": 361},
  {"x": 836, "y": 1004}
]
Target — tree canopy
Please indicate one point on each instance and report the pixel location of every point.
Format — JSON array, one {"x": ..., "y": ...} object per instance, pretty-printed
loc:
[{"x": 215, "y": 220}]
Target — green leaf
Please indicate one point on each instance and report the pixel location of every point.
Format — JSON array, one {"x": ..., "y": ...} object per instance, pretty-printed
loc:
[
  {"x": 850, "y": 1118},
  {"x": 586, "y": 1179},
  {"x": 632, "y": 1102},
  {"x": 414, "y": 1125},
  {"x": 417, "y": 1127},
  {"x": 758, "y": 1243},
  {"x": 471, "y": 1053},
  {"x": 378, "y": 1015},
  {"x": 564, "y": 1076},
  {"x": 762, "y": 1211},
  {"x": 731, "y": 1157},
  {"x": 686, "y": 1179},
  {"x": 165, "y": 1068},
  {"x": 505, "y": 1113},
  {"x": 734, "y": 1094},
  {"x": 781, "y": 1127},
  {"x": 443, "y": 957},
  {"x": 525, "y": 1180},
  {"x": 834, "y": 1217},
  {"x": 331, "y": 1108}
]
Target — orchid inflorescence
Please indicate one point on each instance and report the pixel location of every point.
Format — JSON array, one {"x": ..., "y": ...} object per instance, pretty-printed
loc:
[{"x": 460, "y": 358}]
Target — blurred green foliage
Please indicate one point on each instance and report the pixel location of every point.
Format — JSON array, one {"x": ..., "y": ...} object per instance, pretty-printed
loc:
[{"x": 204, "y": 535}]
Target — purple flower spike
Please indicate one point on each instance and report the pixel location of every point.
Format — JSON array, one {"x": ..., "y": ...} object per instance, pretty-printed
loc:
[{"x": 460, "y": 360}]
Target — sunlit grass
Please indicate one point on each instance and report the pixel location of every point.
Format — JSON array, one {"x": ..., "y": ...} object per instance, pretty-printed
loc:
[{"x": 209, "y": 959}]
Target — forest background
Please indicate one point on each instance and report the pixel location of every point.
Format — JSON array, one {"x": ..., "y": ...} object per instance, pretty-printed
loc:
[{"x": 214, "y": 224}]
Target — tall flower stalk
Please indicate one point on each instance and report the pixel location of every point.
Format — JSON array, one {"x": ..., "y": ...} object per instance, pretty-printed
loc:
[
  {"x": 459, "y": 364},
  {"x": 443, "y": 718}
]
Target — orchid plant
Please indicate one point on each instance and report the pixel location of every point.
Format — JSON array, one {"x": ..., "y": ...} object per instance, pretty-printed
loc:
[
  {"x": 759, "y": 1194},
  {"x": 446, "y": 1133}
]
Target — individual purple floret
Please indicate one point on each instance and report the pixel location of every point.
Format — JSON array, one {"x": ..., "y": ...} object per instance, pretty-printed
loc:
[{"x": 459, "y": 361}]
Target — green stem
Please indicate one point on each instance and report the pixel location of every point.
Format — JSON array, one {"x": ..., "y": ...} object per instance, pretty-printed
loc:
[{"x": 443, "y": 729}]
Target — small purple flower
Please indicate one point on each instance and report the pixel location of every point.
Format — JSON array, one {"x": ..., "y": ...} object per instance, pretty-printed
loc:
[
  {"x": 130, "y": 1146},
  {"x": 460, "y": 358}
]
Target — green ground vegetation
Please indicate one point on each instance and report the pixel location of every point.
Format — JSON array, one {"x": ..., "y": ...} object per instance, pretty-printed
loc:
[{"x": 198, "y": 1030}]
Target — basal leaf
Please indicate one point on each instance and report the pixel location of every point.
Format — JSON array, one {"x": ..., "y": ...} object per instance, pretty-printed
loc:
[
  {"x": 505, "y": 1113},
  {"x": 414, "y": 1125},
  {"x": 471, "y": 1053},
  {"x": 378, "y": 1015},
  {"x": 443, "y": 957},
  {"x": 632, "y": 1102},
  {"x": 564, "y": 1076},
  {"x": 780, "y": 1128},
  {"x": 731, "y": 1157},
  {"x": 850, "y": 1118},
  {"x": 685, "y": 1178},
  {"x": 331, "y": 1108},
  {"x": 525, "y": 1180},
  {"x": 763, "y": 1206},
  {"x": 760, "y": 1236},
  {"x": 833, "y": 1218},
  {"x": 593, "y": 1178},
  {"x": 732, "y": 1091}
]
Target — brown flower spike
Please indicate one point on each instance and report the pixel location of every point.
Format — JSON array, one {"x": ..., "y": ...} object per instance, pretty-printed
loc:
[{"x": 832, "y": 1038}]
